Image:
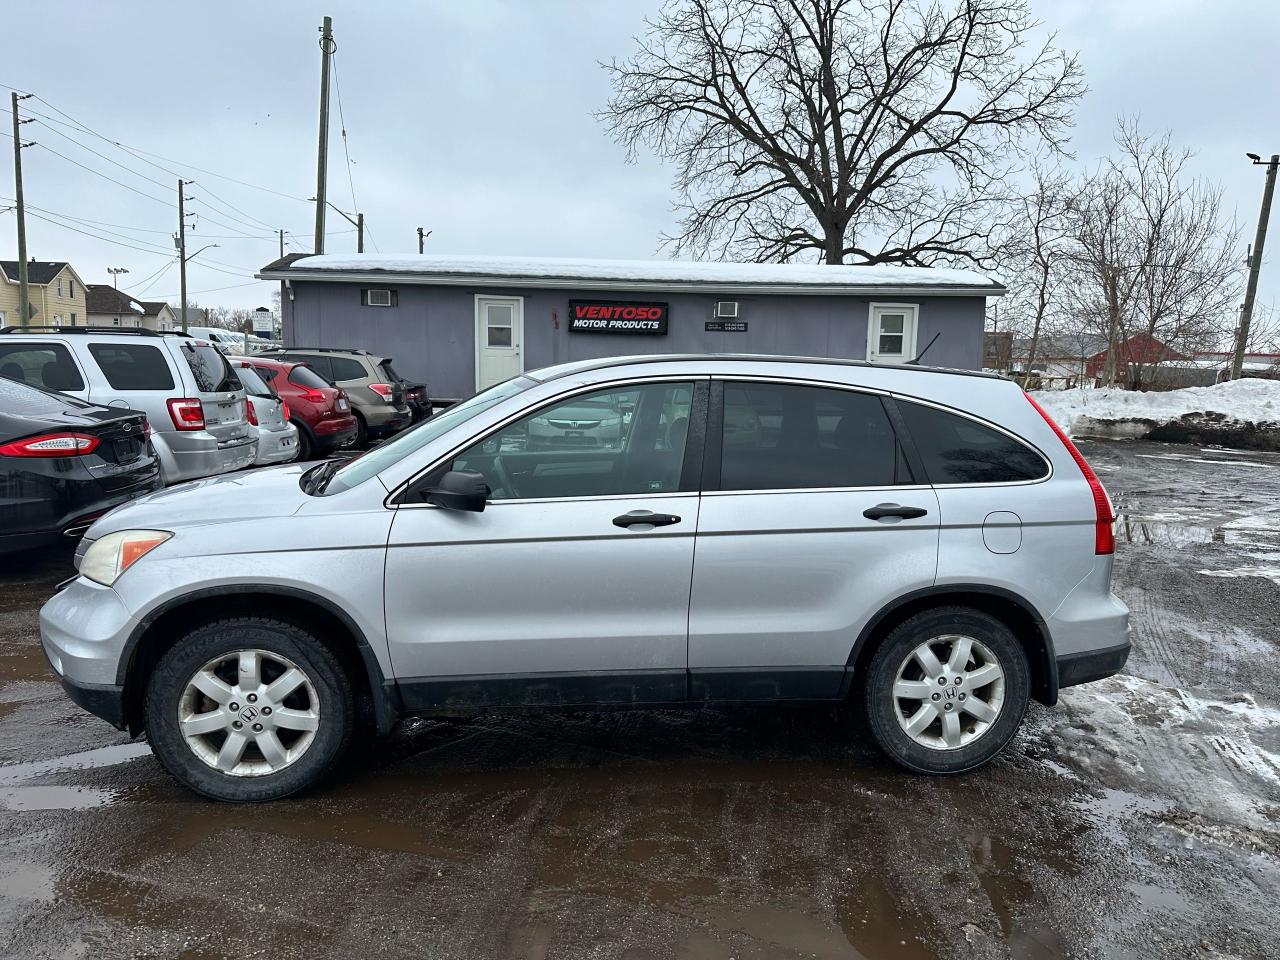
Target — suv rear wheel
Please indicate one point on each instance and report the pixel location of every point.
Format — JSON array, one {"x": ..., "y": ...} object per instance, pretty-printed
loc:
[
  {"x": 249, "y": 709},
  {"x": 947, "y": 690}
]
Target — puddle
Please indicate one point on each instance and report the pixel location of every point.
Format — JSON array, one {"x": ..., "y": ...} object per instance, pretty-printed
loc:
[
  {"x": 26, "y": 666},
  {"x": 55, "y": 798},
  {"x": 87, "y": 759}
]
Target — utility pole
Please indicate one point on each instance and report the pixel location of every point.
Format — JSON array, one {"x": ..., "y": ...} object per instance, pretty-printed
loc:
[
  {"x": 422, "y": 238},
  {"x": 322, "y": 154},
  {"x": 115, "y": 275},
  {"x": 24, "y": 294},
  {"x": 281, "y": 244},
  {"x": 359, "y": 233},
  {"x": 1255, "y": 264},
  {"x": 182, "y": 250}
]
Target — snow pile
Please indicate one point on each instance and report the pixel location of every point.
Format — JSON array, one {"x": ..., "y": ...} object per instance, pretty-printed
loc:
[
  {"x": 1245, "y": 401},
  {"x": 651, "y": 271}
]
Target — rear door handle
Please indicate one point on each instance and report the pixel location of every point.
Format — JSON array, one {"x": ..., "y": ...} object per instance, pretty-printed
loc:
[
  {"x": 637, "y": 517},
  {"x": 883, "y": 511}
]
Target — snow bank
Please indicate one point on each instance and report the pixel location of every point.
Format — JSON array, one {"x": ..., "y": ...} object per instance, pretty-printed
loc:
[
  {"x": 1249, "y": 401},
  {"x": 651, "y": 271}
]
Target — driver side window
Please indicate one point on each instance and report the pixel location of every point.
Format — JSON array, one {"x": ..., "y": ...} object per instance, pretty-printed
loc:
[{"x": 624, "y": 440}]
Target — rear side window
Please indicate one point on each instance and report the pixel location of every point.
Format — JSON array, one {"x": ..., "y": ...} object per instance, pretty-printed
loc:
[
  {"x": 956, "y": 449},
  {"x": 345, "y": 368},
  {"x": 266, "y": 373},
  {"x": 320, "y": 365},
  {"x": 212, "y": 372},
  {"x": 47, "y": 365},
  {"x": 389, "y": 372},
  {"x": 783, "y": 436},
  {"x": 132, "y": 366},
  {"x": 306, "y": 377}
]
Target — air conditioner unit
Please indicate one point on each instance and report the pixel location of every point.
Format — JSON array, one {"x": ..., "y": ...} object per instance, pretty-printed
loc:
[
  {"x": 379, "y": 298},
  {"x": 727, "y": 308}
]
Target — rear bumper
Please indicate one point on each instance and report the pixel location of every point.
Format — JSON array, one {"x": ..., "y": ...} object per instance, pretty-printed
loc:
[
  {"x": 1077, "y": 668},
  {"x": 277, "y": 446},
  {"x": 200, "y": 455},
  {"x": 385, "y": 419}
]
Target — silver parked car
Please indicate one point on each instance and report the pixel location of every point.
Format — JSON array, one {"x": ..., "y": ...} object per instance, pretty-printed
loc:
[
  {"x": 926, "y": 544},
  {"x": 277, "y": 438},
  {"x": 191, "y": 396}
]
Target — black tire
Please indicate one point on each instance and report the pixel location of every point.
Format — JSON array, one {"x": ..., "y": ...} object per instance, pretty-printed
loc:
[
  {"x": 362, "y": 432},
  {"x": 176, "y": 668},
  {"x": 306, "y": 446},
  {"x": 881, "y": 705}
]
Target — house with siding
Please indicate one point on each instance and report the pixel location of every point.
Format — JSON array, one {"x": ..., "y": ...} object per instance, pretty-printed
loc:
[
  {"x": 462, "y": 323},
  {"x": 108, "y": 307},
  {"x": 55, "y": 292}
]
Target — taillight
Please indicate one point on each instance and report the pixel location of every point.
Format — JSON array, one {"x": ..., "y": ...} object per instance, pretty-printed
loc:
[
  {"x": 314, "y": 396},
  {"x": 382, "y": 389},
  {"x": 1104, "y": 539},
  {"x": 250, "y": 414},
  {"x": 187, "y": 413},
  {"x": 51, "y": 445},
  {"x": 284, "y": 410},
  {"x": 146, "y": 429}
]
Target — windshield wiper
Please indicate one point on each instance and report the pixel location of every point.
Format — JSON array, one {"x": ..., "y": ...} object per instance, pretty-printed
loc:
[{"x": 318, "y": 477}]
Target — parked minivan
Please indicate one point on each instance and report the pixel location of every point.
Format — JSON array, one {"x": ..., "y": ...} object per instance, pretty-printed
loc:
[
  {"x": 924, "y": 545},
  {"x": 190, "y": 394}
]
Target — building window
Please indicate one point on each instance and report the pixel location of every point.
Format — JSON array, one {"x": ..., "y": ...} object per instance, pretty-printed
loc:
[
  {"x": 71, "y": 290},
  {"x": 891, "y": 332},
  {"x": 73, "y": 319},
  {"x": 379, "y": 297},
  {"x": 59, "y": 286},
  {"x": 115, "y": 321}
]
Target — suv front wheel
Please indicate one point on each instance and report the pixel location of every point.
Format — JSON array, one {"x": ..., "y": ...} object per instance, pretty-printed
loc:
[
  {"x": 249, "y": 709},
  {"x": 947, "y": 690}
]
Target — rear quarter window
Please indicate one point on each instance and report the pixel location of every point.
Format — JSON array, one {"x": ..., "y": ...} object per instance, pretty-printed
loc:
[
  {"x": 347, "y": 369},
  {"x": 46, "y": 365},
  {"x": 956, "y": 449},
  {"x": 306, "y": 377},
  {"x": 132, "y": 366}
]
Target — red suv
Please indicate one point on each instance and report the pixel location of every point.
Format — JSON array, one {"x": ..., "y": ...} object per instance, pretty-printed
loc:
[{"x": 317, "y": 408}]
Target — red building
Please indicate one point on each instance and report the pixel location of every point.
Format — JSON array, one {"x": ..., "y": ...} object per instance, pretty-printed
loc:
[{"x": 1142, "y": 350}]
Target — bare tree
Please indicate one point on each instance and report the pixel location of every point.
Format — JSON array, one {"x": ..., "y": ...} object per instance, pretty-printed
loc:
[
  {"x": 1036, "y": 256},
  {"x": 881, "y": 131},
  {"x": 1157, "y": 255}
]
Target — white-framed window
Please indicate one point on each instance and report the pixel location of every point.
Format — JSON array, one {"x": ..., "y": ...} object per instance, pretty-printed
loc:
[
  {"x": 379, "y": 297},
  {"x": 73, "y": 319},
  {"x": 115, "y": 321},
  {"x": 59, "y": 282},
  {"x": 891, "y": 332},
  {"x": 71, "y": 289}
]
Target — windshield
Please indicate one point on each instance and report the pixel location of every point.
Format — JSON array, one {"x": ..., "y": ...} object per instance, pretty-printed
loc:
[
  {"x": 393, "y": 451},
  {"x": 253, "y": 384}
]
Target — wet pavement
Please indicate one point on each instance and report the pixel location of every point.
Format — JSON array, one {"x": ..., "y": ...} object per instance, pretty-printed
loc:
[{"x": 1139, "y": 818}]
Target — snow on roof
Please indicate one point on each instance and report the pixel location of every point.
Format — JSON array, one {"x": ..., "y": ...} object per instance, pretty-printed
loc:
[{"x": 638, "y": 274}]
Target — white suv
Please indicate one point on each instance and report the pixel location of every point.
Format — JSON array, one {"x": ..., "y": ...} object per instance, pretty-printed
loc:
[
  {"x": 925, "y": 544},
  {"x": 191, "y": 395}
]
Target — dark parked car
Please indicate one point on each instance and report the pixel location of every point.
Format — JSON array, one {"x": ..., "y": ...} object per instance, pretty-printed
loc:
[
  {"x": 418, "y": 400},
  {"x": 320, "y": 411},
  {"x": 65, "y": 462}
]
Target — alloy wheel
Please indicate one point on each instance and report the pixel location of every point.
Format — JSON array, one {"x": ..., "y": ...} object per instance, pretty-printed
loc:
[
  {"x": 248, "y": 713},
  {"x": 948, "y": 692}
]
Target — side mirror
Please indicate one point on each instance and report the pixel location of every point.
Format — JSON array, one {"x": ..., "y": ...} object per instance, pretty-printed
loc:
[{"x": 459, "y": 490}]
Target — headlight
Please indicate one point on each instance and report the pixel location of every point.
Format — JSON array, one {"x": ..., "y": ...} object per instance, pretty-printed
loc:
[{"x": 110, "y": 556}]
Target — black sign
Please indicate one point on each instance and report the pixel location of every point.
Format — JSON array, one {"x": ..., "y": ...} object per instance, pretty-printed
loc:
[
  {"x": 726, "y": 326},
  {"x": 607, "y": 316}
]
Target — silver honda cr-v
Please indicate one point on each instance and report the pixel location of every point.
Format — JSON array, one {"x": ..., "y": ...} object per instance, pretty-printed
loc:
[{"x": 924, "y": 543}]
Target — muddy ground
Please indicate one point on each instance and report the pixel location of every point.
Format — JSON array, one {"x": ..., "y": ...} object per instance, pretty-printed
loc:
[{"x": 1140, "y": 818}]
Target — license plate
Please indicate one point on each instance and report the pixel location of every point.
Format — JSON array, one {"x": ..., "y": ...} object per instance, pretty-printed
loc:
[
  {"x": 574, "y": 433},
  {"x": 125, "y": 451},
  {"x": 342, "y": 404}
]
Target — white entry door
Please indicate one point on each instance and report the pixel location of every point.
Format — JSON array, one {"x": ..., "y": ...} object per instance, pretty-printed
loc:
[
  {"x": 891, "y": 333},
  {"x": 499, "y": 339}
]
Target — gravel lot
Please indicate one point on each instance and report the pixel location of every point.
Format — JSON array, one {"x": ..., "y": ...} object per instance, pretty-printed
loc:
[{"x": 1139, "y": 818}]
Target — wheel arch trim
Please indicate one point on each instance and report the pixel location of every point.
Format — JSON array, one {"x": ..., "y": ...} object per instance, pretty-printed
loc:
[
  {"x": 1044, "y": 663},
  {"x": 386, "y": 705}
]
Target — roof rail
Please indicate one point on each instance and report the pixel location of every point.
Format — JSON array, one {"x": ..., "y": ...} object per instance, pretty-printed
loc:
[
  {"x": 318, "y": 350},
  {"x": 62, "y": 328}
]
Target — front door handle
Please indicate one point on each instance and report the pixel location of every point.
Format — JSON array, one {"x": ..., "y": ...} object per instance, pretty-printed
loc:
[
  {"x": 637, "y": 517},
  {"x": 883, "y": 511}
]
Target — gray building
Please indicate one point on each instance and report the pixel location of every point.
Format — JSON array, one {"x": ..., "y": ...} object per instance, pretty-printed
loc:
[{"x": 460, "y": 324}]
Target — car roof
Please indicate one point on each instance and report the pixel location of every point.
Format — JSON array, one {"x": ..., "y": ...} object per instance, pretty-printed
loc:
[{"x": 581, "y": 366}]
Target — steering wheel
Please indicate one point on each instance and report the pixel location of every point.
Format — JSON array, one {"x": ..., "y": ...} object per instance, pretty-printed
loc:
[{"x": 504, "y": 479}]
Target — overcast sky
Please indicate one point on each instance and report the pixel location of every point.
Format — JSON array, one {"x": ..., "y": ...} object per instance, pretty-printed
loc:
[{"x": 474, "y": 120}]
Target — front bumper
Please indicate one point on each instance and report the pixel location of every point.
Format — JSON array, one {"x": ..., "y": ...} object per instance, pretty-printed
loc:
[
  {"x": 105, "y": 700},
  {"x": 85, "y": 629}
]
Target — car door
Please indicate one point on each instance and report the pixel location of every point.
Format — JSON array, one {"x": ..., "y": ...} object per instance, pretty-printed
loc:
[
  {"x": 810, "y": 522},
  {"x": 573, "y": 584}
]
